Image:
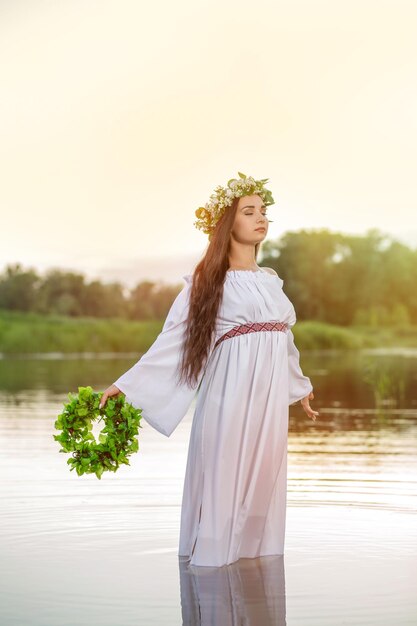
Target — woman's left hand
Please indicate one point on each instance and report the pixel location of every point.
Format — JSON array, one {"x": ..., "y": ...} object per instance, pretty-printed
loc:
[{"x": 307, "y": 408}]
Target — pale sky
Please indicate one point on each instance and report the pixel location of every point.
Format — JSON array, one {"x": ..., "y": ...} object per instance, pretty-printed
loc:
[{"x": 118, "y": 119}]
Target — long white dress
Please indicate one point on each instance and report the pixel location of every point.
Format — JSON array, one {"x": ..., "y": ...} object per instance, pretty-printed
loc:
[{"x": 235, "y": 487}]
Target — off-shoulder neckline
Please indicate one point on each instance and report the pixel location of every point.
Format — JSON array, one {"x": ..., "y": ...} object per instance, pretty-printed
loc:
[
  {"x": 251, "y": 275},
  {"x": 245, "y": 275},
  {"x": 251, "y": 271}
]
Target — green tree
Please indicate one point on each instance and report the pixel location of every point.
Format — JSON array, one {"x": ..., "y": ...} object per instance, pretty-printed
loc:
[{"x": 18, "y": 288}]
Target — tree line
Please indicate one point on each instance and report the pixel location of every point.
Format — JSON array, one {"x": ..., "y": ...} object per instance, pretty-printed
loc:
[
  {"x": 344, "y": 279},
  {"x": 68, "y": 293},
  {"x": 330, "y": 277}
]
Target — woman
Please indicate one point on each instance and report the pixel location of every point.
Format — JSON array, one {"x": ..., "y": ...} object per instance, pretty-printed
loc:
[{"x": 228, "y": 335}]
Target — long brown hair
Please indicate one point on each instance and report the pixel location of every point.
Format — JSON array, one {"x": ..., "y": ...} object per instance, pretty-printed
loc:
[{"x": 205, "y": 298}]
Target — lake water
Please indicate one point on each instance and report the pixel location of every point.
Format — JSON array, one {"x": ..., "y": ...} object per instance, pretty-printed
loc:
[{"x": 79, "y": 551}]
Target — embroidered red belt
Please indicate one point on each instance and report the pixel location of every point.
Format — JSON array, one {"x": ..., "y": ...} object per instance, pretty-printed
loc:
[{"x": 251, "y": 327}]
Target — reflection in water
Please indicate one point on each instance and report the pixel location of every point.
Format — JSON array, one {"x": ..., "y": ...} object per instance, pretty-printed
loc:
[
  {"x": 249, "y": 591},
  {"x": 106, "y": 552}
]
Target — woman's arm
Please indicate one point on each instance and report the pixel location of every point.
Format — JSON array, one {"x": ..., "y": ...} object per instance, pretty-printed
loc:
[
  {"x": 299, "y": 385},
  {"x": 152, "y": 383}
]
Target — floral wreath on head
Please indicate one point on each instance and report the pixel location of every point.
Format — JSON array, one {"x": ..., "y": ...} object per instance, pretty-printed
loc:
[{"x": 209, "y": 214}]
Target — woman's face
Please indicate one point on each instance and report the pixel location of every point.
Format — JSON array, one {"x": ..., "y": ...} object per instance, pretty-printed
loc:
[{"x": 250, "y": 218}]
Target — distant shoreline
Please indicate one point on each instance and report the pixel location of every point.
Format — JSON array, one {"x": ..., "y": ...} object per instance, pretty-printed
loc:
[{"x": 29, "y": 333}]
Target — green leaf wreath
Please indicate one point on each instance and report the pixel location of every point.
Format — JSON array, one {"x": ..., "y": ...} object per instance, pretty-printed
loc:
[{"x": 117, "y": 439}]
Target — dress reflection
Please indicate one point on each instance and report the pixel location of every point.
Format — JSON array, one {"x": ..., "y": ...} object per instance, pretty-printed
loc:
[{"x": 248, "y": 591}]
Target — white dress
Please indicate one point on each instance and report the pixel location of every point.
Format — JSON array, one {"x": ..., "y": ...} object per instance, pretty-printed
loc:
[{"x": 235, "y": 487}]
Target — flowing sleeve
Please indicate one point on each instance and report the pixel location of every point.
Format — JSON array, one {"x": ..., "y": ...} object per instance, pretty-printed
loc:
[
  {"x": 151, "y": 384},
  {"x": 299, "y": 385}
]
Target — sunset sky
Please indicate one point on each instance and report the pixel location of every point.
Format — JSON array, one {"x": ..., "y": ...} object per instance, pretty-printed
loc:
[{"x": 118, "y": 119}]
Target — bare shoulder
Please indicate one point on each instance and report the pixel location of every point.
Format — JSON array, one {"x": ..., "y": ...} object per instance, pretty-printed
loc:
[{"x": 269, "y": 270}]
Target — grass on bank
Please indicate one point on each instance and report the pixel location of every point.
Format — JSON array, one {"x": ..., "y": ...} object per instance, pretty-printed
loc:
[{"x": 23, "y": 333}]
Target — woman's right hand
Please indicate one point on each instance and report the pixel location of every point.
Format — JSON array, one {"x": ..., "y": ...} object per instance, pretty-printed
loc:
[{"x": 110, "y": 391}]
